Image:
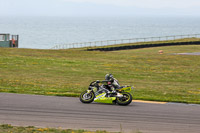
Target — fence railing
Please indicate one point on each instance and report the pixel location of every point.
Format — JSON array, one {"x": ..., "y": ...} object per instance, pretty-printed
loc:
[{"x": 123, "y": 41}]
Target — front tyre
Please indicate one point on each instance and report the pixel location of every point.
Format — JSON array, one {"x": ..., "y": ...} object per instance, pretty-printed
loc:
[
  {"x": 86, "y": 97},
  {"x": 125, "y": 100}
]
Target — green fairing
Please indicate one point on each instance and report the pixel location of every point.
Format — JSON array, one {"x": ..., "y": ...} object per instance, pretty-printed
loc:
[
  {"x": 102, "y": 99},
  {"x": 125, "y": 89}
]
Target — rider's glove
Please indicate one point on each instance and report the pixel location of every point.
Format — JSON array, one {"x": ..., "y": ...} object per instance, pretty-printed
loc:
[{"x": 97, "y": 81}]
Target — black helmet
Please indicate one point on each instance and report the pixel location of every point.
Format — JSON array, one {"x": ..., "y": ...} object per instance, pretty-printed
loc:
[{"x": 108, "y": 76}]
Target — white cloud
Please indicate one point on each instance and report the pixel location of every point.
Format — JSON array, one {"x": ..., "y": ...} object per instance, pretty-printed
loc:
[{"x": 145, "y": 3}]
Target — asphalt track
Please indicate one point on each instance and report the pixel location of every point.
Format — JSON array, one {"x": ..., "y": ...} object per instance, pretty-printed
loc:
[
  {"x": 70, "y": 113},
  {"x": 194, "y": 53}
]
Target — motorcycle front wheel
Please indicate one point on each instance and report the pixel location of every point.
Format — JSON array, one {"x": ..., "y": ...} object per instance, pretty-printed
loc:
[
  {"x": 86, "y": 97},
  {"x": 125, "y": 100}
]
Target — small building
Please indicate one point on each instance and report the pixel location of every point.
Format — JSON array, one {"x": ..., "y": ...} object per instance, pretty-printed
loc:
[{"x": 7, "y": 40}]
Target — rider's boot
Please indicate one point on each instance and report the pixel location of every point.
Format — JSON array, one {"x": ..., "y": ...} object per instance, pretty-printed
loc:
[
  {"x": 114, "y": 93},
  {"x": 119, "y": 95}
]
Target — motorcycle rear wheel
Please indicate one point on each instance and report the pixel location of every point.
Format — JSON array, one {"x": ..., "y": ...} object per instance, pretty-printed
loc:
[
  {"x": 125, "y": 100},
  {"x": 86, "y": 97}
]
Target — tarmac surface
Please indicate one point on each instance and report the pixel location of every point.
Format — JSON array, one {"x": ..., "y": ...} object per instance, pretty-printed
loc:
[
  {"x": 194, "y": 53},
  {"x": 70, "y": 113}
]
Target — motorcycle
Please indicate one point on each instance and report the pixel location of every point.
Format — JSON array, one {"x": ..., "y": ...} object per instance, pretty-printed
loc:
[{"x": 98, "y": 93}]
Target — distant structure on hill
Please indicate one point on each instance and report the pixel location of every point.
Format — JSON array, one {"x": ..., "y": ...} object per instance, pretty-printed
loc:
[{"x": 7, "y": 40}]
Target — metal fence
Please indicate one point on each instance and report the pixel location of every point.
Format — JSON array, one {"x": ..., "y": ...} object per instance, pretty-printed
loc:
[{"x": 123, "y": 41}]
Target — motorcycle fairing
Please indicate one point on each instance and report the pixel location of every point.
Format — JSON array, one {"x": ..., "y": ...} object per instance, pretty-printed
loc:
[
  {"x": 125, "y": 89},
  {"x": 101, "y": 98}
]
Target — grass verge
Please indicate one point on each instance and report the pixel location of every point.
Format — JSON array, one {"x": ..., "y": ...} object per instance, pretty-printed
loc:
[
  {"x": 161, "y": 77},
  {"x": 6, "y": 128}
]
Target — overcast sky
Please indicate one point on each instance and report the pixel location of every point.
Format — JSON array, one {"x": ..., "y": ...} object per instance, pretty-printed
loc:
[{"x": 100, "y": 7}]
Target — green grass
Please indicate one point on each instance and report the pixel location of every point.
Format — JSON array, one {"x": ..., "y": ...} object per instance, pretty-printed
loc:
[
  {"x": 6, "y": 128},
  {"x": 166, "y": 77}
]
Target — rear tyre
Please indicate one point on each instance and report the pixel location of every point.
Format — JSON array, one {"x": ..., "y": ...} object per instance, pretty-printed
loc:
[
  {"x": 125, "y": 100},
  {"x": 87, "y": 97}
]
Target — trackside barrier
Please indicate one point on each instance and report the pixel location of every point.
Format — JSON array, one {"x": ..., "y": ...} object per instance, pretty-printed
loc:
[{"x": 123, "y": 41}]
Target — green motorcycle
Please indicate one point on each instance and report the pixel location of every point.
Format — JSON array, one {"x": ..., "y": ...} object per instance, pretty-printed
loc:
[{"x": 96, "y": 92}]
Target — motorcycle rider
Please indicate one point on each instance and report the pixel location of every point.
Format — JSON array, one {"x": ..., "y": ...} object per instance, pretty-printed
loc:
[{"x": 112, "y": 84}]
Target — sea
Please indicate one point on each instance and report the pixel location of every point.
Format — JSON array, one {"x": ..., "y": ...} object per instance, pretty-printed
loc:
[{"x": 46, "y": 32}]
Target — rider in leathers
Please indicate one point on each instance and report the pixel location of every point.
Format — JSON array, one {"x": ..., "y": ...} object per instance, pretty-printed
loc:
[{"x": 112, "y": 85}]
